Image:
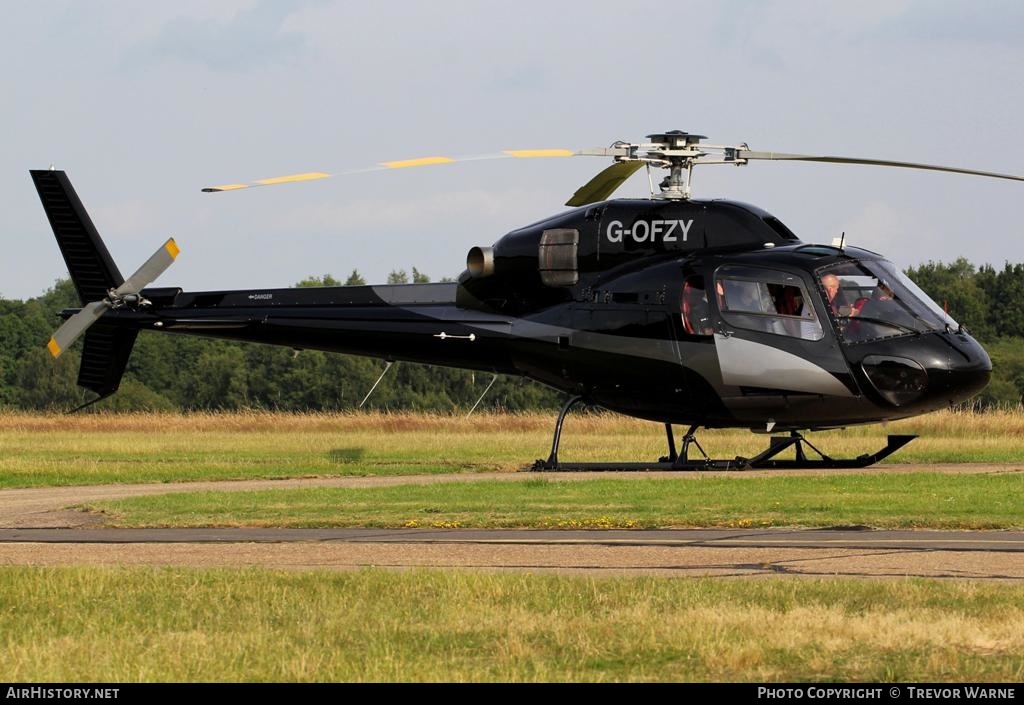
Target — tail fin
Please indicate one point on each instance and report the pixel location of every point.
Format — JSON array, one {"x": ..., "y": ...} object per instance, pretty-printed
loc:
[
  {"x": 107, "y": 347},
  {"x": 92, "y": 269}
]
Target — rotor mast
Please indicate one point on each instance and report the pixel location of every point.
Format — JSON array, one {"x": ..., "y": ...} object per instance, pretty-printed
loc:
[
  {"x": 679, "y": 150},
  {"x": 676, "y": 151}
]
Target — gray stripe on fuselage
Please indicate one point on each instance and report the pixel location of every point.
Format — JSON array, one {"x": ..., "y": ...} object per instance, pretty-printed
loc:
[
  {"x": 749, "y": 364},
  {"x": 398, "y": 294},
  {"x": 649, "y": 348}
]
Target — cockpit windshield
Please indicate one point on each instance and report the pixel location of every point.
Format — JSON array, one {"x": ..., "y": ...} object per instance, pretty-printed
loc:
[{"x": 873, "y": 299}]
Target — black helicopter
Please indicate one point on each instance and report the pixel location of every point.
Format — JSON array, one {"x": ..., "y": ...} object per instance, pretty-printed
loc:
[{"x": 707, "y": 313}]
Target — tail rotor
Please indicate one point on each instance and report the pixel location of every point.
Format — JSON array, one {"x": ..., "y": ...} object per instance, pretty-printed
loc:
[{"x": 126, "y": 296}]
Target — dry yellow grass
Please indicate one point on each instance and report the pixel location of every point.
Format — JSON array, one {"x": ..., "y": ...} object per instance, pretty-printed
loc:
[
  {"x": 948, "y": 423},
  {"x": 43, "y": 449},
  {"x": 92, "y": 624}
]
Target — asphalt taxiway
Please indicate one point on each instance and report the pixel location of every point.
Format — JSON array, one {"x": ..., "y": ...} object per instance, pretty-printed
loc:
[{"x": 38, "y": 527}]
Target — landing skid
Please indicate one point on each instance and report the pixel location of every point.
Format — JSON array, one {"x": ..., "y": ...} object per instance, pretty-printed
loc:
[
  {"x": 781, "y": 443},
  {"x": 681, "y": 461}
]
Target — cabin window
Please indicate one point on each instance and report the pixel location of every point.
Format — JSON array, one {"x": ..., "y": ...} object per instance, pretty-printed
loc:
[
  {"x": 557, "y": 257},
  {"x": 694, "y": 307},
  {"x": 766, "y": 300}
]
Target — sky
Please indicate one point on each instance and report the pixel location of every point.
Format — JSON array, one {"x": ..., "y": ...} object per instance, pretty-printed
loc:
[{"x": 143, "y": 104}]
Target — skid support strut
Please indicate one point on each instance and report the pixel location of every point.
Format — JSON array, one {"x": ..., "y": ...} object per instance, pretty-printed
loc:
[
  {"x": 681, "y": 460},
  {"x": 552, "y": 462}
]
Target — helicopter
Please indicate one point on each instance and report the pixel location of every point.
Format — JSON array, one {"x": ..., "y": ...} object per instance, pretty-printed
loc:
[{"x": 700, "y": 313}]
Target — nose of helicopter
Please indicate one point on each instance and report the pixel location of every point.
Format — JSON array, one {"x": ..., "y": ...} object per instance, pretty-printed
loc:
[
  {"x": 931, "y": 372},
  {"x": 966, "y": 372}
]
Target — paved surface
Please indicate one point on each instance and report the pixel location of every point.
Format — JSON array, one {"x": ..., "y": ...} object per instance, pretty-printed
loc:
[{"x": 41, "y": 530}]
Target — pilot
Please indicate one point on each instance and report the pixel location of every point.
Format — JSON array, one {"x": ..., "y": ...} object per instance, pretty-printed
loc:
[{"x": 831, "y": 284}]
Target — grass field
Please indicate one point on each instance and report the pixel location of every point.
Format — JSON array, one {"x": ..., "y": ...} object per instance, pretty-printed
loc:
[
  {"x": 109, "y": 625},
  {"x": 176, "y": 624},
  {"x": 880, "y": 500},
  {"x": 56, "y": 449}
]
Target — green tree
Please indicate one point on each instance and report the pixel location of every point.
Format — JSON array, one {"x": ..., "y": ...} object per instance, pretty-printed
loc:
[
  {"x": 1007, "y": 384},
  {"x": 355, "y": 279},
  {"x": 398, "y": 276},
  {"x": 221, "y": 380},
  {"x": 135, "y": 396},
  {"x": 419, "y": 277},
  {"x": 325, "y": 280},
  {"x": 955, "y": 288},
  {"x": 45, "y": 383},
  {"x": 1007, "y": 301}
]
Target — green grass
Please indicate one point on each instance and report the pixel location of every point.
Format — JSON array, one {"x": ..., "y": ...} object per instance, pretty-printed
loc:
[
  {"x": 142, "y": 624},
  {"x": 979, "y": 501},
  {"x": 103, "y": 448}
]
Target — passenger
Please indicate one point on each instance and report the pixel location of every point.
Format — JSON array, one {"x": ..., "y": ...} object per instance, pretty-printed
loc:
[
  {"x": 880, "y": 301},
  {"x": 697, "y": 313},
  {"x": 743, "y": 296}
]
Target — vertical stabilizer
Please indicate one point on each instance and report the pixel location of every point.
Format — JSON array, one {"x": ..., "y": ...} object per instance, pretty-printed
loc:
[{"x": 91, "y": 267}]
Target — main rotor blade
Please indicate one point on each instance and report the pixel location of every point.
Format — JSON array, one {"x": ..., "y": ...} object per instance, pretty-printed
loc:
[
  {"x": 400, "y": 164},
  {"x": 73, "y": 328},
  {"x": 778, "y": 156},
  {"x": 151, "y": 269},
  {"x": 605, "y": 183}
]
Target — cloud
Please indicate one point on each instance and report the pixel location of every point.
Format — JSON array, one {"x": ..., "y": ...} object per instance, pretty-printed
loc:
[
  {"x": 254, "y": 37},
  {"x": 997, "y": 22},
  {"x": 424, "y": 211},
  {"x": 889, "y": 231}
]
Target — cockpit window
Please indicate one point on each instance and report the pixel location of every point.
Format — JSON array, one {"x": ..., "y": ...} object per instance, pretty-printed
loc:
[
  {"x": 872, "y": 300},
  {"x": 766, "y": 300}
]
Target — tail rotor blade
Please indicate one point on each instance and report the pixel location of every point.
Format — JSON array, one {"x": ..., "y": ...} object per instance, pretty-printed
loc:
[
  {"x": 151, "y": 269},
  {"x": 75, "y": 326}
]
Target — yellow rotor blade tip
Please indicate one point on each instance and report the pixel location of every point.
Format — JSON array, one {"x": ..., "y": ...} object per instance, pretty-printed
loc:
[
  {"x": 422, "y": 161},
  {"x": 307, "y": 176},
  {"x": 533, "y": 153},
  {"x": 172, "y": 248},
  {"x": 53, "y": 348}
]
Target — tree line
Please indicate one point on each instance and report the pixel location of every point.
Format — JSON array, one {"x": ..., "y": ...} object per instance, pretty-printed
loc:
[
  {"x": 170, "y": 372},
  {"x": 179, "y": 372},
  {"x": 989, "y": 303}
]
